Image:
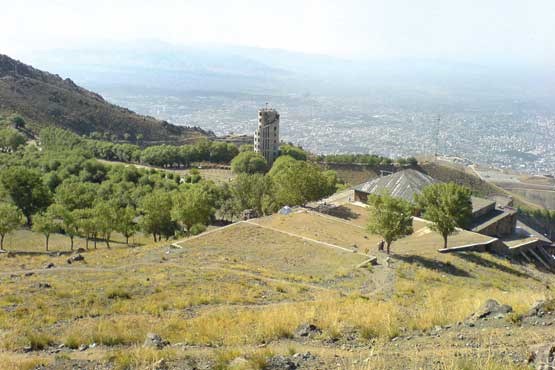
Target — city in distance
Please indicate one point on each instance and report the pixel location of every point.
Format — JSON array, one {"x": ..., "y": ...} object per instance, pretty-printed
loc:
[{"x": 502, "y": 115}]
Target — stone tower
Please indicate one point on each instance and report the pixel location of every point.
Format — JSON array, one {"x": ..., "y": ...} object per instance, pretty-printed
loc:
[{"x": 266, "y": 137}]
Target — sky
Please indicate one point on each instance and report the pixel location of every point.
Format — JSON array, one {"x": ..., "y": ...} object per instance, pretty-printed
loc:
[{"x": 465, "y": 30}]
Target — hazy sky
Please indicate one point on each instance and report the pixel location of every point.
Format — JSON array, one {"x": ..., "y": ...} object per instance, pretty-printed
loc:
[{"x": 511, "y": 30}]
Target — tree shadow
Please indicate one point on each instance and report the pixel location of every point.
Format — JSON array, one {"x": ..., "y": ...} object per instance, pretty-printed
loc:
[
  {"x": 343, "y": 212},
  {"x": 478, "y": 260},
  {"x": 432, "y": 264}
]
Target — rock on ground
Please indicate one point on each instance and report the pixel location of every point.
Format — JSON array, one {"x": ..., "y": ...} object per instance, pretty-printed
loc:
[
  {"x": 491, "y": 307},
  {"x": 155, "y": 341},
  {"x": 307, "y": 330}
]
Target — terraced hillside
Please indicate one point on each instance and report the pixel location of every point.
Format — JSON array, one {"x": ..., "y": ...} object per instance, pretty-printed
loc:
[{"x": 282, "y": 292}]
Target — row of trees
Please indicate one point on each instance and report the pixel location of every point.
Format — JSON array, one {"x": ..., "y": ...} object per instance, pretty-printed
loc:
[
  {"x": 159, "y": 155},
  {"x": 366, "y": 159},
  {"x": 446, "y": 205}
]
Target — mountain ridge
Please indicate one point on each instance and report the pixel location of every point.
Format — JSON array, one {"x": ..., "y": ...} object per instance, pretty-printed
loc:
[{"x": 48, "y": 99}]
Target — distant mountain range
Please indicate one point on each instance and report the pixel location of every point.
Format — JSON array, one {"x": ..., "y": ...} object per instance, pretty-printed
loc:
[
  {"x": 46, "y": 99},
  {"x": 165, "y": 68}
]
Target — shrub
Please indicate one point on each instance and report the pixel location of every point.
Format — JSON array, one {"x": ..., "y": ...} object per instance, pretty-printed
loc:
[
  {"x": 118, "y": 293},
  {"x": 197, "y": 229}
]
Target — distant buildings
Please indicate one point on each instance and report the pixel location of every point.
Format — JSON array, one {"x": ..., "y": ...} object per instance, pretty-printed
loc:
[{"x": 266, "y": 136}]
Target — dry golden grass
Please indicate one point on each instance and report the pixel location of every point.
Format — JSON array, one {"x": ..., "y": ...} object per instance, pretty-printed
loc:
[
  {"x": 348, "y": 234},
  {"x": 25, "y": 240},
  {"x": 246, "y": 285},
  {"x": 12, "y": 361}
]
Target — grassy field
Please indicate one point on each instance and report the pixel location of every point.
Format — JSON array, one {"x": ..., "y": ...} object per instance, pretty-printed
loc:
[
  {"x": 217, "y": 175},
  {"x": 353, "y": 234},
  {"x": 242, "y": 290}
]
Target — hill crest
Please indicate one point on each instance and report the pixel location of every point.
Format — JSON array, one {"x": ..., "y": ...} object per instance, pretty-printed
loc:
[{"x": 48, "y": 99}]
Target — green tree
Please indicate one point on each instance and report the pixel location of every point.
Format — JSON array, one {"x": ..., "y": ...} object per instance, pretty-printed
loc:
[
  {"x": 412, "y": 161},
  {"x": 76, "y": 195},
  {"x": 192, "y": 206},
  {"x": 17, "y": 121},
  {"x": 248, "y": 162},
  {"x": 87, "y": 224},
  {"x": 293, "y": 151},
  {"x": 46, "y": 224},
  {"x": 249, "y": 192},
  {"x": 125, "y": 222},
  {"x": 246, "y": 148},
  {"x": 26, "y": 189},
  {"x": 156, "y": 214},
  {"x": 298, "y": 182},
  {"x": 548, "y": 217},
  {"x": 68, "y": 220},
  {"x": 390, "y": 217},
  {"x": 106, "y": 219},
  {"x": 10, "y": 219},
  {"x": 10, "y": 140},
  {"x": 447, "y": 206}
]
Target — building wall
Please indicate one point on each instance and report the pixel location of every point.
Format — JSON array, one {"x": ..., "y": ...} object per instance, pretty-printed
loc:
[
  {"x": 503, "y": 227},
  {"x": 484, "y": 211},
  {"x": 266, "y": 137},
  {"x": 361, "y": 196}
]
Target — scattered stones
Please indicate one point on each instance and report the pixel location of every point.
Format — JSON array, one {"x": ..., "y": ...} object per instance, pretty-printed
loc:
[
  {"x": 543, "y": 357},
  {"x": 491, "y": 308},
  {"x": 304, "y": 356},
  {"x": 27, "y": 349},
  {"x": 280, "y": 363},
  {"x": 83, "y": 347},
  {"x": 307, "y": 330},
  {"x": 155, "y": 341},
  {"x": 49, "y": 265},
  {"x": 76, "y": 258},
  {"x": 540, "y": 308}
]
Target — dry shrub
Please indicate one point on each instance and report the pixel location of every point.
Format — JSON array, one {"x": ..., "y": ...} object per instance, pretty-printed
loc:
[
  {"x": 139, "y": 357},
  {"x": 10, "y": 361}
]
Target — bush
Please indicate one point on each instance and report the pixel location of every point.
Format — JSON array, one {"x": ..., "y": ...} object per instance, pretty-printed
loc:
[
  {"x": 118, "y": 293},
  {"x": 197, "y": 229}
]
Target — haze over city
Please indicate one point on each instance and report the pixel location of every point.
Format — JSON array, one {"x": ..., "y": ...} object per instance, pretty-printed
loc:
[{"x": 368, "y": 74}]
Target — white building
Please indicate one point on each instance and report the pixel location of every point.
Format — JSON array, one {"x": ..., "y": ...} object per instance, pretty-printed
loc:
[{"x": 266, "y": 137}]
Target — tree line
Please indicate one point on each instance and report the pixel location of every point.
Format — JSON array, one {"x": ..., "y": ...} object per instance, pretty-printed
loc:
[
  {"x": 366, "y": 159},
  {"x": 166, "y": 156}
]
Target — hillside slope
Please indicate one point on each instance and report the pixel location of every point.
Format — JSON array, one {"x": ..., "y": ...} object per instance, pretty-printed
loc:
[
  {"x": 47, "y": 99},
  {"x": 450, "y": 173}
]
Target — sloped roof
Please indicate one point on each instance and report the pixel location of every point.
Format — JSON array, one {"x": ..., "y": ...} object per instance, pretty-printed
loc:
[{"x": 403, "y": 184}]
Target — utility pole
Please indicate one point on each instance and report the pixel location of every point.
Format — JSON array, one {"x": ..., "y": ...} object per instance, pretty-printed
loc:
[{"x": 437, "y": 136}]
